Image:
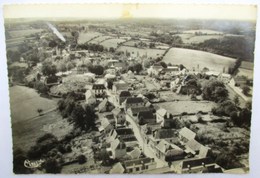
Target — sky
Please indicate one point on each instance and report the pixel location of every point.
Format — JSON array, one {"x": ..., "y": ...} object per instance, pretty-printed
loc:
[{"x": 182, "y": 11}]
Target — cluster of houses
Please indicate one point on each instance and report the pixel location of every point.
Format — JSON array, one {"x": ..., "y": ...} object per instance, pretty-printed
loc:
[{"x": 157, "y": 129}]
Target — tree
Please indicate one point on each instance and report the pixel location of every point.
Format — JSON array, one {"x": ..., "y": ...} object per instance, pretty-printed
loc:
[
  {"x": 236, "y": 100},
  {"x": 48, "y": 69},
  {"x": 163, "y": 64},
  {"x": 111, "y": 49},
  {"x": 82, "y": 159},
  {"x": 246, "y": 90},
  {"x": 83, "y": 119},
  {"x": 181, "y": 67},
  {"x": 42, "y": 146},
  {"x": 40, "y": 87},
  {"x": 96, "y": 69},
  {"x": 214, "y": 91},
  {"x": 147, "y": 63},
  {"x": 151, "y": 45}
]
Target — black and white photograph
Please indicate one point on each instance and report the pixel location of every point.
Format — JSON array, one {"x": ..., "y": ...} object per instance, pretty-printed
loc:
[{"x": 130, "y": 88}]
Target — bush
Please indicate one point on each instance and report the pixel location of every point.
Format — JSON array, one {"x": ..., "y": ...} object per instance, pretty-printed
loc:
[{"x": 81, "y": 159}]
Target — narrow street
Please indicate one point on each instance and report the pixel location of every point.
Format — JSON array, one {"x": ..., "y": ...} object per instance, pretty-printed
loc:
[{"x": 146, "y": 148}]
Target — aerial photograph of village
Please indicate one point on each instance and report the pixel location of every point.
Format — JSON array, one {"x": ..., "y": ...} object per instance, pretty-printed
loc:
[{"x": 130, "y": 95}]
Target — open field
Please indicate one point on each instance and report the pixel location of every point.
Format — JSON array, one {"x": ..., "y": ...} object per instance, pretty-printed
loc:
[
  {"x": 25, "y": 102},
  {"x": 26, "y": 132},
  {"x": 23, "y": 33},
  {"x": 154, "y": 53},
  {"x": 112, "y": 42},
  {"x": 192, "y": 58},
  {"x": 85, "y": 37},
  {"x": 178, "y": 107}
]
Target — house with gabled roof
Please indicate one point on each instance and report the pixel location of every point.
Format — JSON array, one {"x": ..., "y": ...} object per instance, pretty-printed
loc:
[
  {"x": 162, "y": 134},
  {"x": 123, "y": 95},
  {"x": 107, "y": 123},
  {"x": 90, "y": 97},
  {"x": 134, "y": 102},
  {"x": 186, "y": 134},
  {"x": 135, "y": 153},
  {"x": 193, "y": 147},
  {"x": 139, "y": 165},
  {"x": 117, "y": 149},
  {"x": 168, "y": 152},
  {"x": 99, "y": 89},
  {"x": 144, "y": 117},
  {"x": 120, "y": 86},
  {"x": 162, "y": 114},
  {"x": 105, "y": 106},
  {"x": 134, "y": 111},
  {"x": 119, "y": 115},
  {"x": 117, "y": 169},
  {"x": 123, "y": 134},
  {"x": 195, "y": 165}
]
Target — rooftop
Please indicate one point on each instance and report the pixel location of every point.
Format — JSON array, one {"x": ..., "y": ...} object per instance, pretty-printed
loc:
[
  {"x": 134, "y": 100},
  {"x": 196, "y": 162},
  {"x": 187, "y": 133},
  {"x": 139, "y": 161}
]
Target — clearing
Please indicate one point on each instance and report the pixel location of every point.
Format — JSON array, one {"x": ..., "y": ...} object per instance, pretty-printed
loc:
[
  {"x": 25, "y": 102},
  {"x": 194, "y": 58}
]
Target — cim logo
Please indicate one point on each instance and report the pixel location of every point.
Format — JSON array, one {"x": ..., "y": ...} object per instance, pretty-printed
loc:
[{"x": 33, "y": 164}]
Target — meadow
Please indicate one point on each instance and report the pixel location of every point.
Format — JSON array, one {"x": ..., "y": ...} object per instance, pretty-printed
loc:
[
  {"x": 26, "y": 101},
  {"x": 194, "y": 58}
]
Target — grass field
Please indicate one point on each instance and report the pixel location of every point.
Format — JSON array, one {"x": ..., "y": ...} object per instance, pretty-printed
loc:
[
  {"x": 149, "y": 52},
  {"x": 23, "y": 33},
  {"x": 25, "y": 102},
  {"x": 192, "y": 58},
  {"x": 179, "y": 107},
  {"x": 85, "y": 37},
  {"x": 112, "y": 42},
  {"x": 26, "y": 132}
]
